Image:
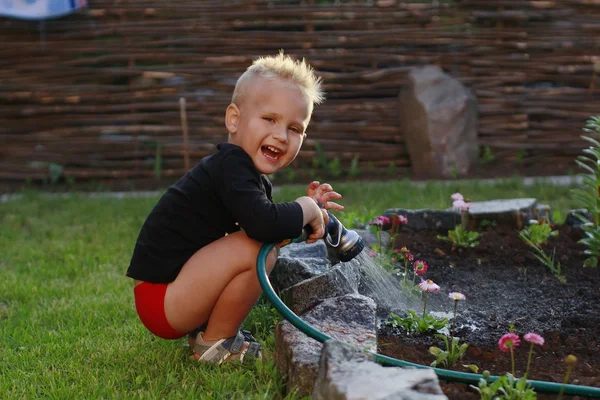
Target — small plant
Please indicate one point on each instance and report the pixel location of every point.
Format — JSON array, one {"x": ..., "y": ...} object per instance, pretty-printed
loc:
[
  {"x": 453, "y": 353},
  {"x": 589, "y": 198},
  {"x": 425, "y": 323},
  {"x": 417, "y": 324},
  {"x": 391, "y": 169},
  {"x": 538, "y": 232},
  {"x": 487, "y": 156},
  {"x": 549, "y": 261},
  {"x": 520, "y": 155},
  {"x": 570, "y": 360},
  {"x": 405, "y": 259},
  {"x": 486, "y": 223},
  {"x": 335, "y": 167},
  {"x": 533, "y": 339},
  {"x": 456, "y": 296},
  {"x": 504, "y": 388},
  {"x": 427, "y": 287},
  {"x": 386, "y": 255},
  {"x": 460, "y": 236},
  {"x": 508, "y": 342},
  {"x": 354, "y": 168},
  {"x": 55, "y": 171},
  {"x": 158, "y": 161}
]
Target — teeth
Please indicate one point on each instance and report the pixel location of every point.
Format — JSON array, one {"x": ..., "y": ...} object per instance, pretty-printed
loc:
[{"x": 273, "y": 149}]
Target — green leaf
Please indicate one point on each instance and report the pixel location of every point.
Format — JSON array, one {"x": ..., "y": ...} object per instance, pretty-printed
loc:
[{"x": 472, "y": 367}]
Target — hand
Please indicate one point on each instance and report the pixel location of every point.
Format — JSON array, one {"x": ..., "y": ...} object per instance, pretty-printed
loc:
[
  {"x": 323, "y": 194},
  {"x": 318, "y": 226}
]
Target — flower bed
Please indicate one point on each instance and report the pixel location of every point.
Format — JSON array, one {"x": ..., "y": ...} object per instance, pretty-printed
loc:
[{"x": 507, "y": 288}]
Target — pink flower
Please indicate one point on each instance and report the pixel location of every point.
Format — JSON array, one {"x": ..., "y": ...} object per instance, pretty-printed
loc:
[
  {"x": 372, "y": 253},
  {"x": 380, "y": 221},
  {"x": 457, "y": 196},
  {"x": 410, "y": 257},
  {"x": 394, "y": 259},
  {"x": 508, "y": 342},
  {"x": 456, "y": 296},
  {"x": 428, "y": 286},
  {"x": 420, "y": 267},
  {"x": 534, "y": 338},
  {"x": 398, "y": 219}
]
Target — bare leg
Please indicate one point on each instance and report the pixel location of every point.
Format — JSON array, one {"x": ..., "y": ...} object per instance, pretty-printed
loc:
[{"x": 218, "y": 284}]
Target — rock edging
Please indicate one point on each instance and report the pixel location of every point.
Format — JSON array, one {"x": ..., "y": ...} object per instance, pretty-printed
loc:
[{"x": 330, "y": 301}]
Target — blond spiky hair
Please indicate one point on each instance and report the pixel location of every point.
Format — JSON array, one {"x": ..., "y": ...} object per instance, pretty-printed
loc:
[{"x": 283, "y": 67}]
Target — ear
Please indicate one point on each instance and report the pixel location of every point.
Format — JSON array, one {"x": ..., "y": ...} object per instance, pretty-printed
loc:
[{"x": 232, "y": 118}]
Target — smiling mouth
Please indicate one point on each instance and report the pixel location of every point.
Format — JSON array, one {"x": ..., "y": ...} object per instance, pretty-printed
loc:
[{"x": 271, "y": 153}]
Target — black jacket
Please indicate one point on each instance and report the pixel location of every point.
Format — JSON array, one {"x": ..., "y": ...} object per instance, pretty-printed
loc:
[{"x": 219, "y": 195}]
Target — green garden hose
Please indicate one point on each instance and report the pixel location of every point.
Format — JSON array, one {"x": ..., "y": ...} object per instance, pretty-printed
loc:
[{"x": 454, "y": 376}]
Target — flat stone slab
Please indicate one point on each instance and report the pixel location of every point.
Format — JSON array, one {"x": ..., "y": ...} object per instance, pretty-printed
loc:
[
  {"x": 350, "y": 318},
  {"x": 345, "y": 373},
  {"x": 511, "y": 212}
]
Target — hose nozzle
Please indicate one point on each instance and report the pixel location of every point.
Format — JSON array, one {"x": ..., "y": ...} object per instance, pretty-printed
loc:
[{"x": 346, "y": 244}]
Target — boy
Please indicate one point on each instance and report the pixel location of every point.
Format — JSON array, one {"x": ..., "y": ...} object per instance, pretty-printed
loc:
[{"x": 194, "y": 262}]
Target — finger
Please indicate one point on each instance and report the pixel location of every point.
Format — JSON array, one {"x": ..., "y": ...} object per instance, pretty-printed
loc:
[
  {"x": 312, "y": 188},
  {"x": 325, "y": 217},
  {"x": 324, "y": 188},
  {"x": 330, "y": 196},
  {"x": 331, "y": 205}
]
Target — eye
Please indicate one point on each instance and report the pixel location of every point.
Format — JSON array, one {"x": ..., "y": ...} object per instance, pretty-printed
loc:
[
  {"x": 294, "y": 129},
  {"x": 268, "y": 119}
]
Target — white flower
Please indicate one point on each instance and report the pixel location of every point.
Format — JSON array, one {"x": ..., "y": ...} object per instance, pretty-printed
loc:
[{"x": 457, "y": 296}]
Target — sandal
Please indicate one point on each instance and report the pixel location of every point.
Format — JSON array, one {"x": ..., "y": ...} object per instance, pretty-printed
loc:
[{"x": 240, "y": 347}]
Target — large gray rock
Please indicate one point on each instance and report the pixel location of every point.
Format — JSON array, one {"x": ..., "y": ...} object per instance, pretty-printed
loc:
[
  {"x": 346, "y": 373},
  {"x": 304, "y": 250},
  {"x": 349, "y": 318},
  {"x": 438, "y": 116},
  {"x": 290, "y": 271},
  {"x": 439, "y": 220},
  {"x": 342, "y": 279}
]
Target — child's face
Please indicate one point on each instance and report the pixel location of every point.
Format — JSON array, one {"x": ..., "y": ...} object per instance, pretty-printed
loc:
[{"x": 270, "y": 123}]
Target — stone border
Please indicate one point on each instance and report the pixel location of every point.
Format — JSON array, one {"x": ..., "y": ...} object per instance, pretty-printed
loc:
[{"x": 328, "y": 298}]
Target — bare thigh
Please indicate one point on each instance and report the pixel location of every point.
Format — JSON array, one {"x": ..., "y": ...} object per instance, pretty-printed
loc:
[{"x": 190, "y": 299}]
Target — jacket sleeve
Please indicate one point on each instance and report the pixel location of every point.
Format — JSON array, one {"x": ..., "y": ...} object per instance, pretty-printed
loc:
[{"x": 244, "y": 195}]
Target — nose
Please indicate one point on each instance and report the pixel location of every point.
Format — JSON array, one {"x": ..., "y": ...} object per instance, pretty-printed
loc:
[{"x": 280, "y": 134}]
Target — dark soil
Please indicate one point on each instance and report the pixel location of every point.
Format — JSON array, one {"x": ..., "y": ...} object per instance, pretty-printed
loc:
[{"x": 505, "y": 284}]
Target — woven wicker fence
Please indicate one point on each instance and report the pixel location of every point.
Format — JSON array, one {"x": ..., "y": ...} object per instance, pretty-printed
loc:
[{"x": 98, "y": 95}]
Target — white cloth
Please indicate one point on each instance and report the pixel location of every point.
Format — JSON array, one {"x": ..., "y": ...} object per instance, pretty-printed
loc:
[{"x": 39, "y": 9}]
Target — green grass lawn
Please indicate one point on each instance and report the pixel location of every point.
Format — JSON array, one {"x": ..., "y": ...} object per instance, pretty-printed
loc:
[{"x": 68, "y": 327}]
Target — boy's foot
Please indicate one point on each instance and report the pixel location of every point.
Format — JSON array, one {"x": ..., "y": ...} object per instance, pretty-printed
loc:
[
  {"x": 236, "y": 348},
  {"x": 191, "y": 337}
]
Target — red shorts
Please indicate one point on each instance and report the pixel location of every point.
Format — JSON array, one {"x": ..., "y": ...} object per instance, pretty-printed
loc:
[{"x": 150, "y": 306}]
